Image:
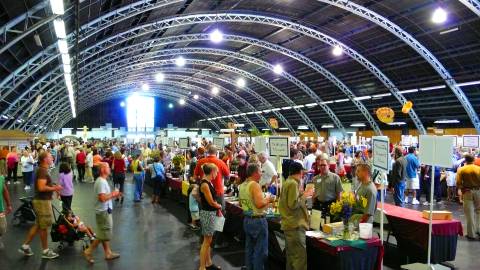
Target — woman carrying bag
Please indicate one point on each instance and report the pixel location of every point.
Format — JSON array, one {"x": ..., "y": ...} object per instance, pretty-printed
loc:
[
  {"x": 137, "y": 170},
  {"x": 159, "y": 180},
  {"x": 209, "y": 209}
]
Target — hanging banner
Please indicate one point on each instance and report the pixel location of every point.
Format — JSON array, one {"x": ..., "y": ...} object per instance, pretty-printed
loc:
[{"x": 385, "y": 114}]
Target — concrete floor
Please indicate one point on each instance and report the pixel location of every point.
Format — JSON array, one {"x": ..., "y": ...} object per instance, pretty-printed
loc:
[{"x": 153, "y": 237}]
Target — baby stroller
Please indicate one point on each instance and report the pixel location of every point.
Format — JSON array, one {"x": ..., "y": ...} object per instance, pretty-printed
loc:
[
  {"x": 65, "y": 233},
  {"x": 24, "y": 213}
]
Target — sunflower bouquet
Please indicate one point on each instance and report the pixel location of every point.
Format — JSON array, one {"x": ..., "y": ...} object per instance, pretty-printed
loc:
[{"x": 348, "y": 208}]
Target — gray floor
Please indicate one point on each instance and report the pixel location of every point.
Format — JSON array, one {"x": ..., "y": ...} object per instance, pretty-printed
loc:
[{"x": 153, "y": 237}]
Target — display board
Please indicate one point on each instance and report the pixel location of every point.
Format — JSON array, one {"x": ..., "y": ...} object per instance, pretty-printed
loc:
[
  {"x": 184, "y": 143},
  {"x": 279, "y": 147},
  {"x": 406, "y": 140},
  {"x": 219, "y": 142},
  {"x": 381, "y": 153},
  {"x": 260, "y": 144},
  {"x": 471, "y": 141},
  {"x": 171, "y": 142},
  {"x": 455, "y": 139},
  {"x": 436, "y": 150}
]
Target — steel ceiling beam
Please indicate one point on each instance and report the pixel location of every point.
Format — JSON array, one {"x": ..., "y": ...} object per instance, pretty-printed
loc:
[
  {"x": 416, "y": 45},
  {"x": 169, "y": 95},
  {"x": 241, "y": 17},
  {"x": 127, "y": 65},
  {"x": 225, "y": 53},
  {"x": 261, "y": 19},
  {"x": 150, "y": 45},
  {"x": 473, "y": 5}
]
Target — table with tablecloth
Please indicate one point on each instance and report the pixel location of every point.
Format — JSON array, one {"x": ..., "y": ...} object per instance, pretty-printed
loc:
[
  {"x": 321, "y": 253},
  {"x": 411, "y": 232},
  {"x": 174, "y": 183}
]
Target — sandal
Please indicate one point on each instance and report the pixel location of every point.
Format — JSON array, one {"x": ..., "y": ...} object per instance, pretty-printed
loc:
[
  {"x": 88, "y": 257},
  {"x": 112, "y": 256}
]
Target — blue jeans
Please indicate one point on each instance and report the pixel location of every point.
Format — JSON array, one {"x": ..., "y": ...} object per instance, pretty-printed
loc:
[
  {"x": 138, "y": 180},
  {"x": 256, "y": 242},
  {"x": 399, "y": 193}
]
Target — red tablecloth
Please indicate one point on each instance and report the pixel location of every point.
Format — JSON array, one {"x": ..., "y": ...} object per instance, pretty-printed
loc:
[
  {"x": 174, "y": 183},
  {"x": 420, "y": 224}
]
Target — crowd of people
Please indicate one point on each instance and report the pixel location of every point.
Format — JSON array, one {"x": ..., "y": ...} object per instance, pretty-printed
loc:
[{"x": 245, "y": 173}]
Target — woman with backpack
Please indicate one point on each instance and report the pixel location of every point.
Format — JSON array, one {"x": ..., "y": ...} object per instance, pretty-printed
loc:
[
  {"x": 159, "y": 179},
  {"x": 137, "y": 169}
]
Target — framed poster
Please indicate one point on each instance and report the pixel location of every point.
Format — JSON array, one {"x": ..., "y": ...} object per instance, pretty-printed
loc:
[
  {"x": 455, "y": 139},
  {"x": 381, "y": 153},
  {"x": 471, "y": 141},
  {"x": 279, "y": 147},
  {"x": 171, "y": 142},
  {"x": 219, "y": 142},
  {"x": 184, "y": 143}
]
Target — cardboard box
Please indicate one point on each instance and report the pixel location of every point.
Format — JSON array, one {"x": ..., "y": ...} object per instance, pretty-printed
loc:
[
  {"x": 333, "y": 228},
  {"x": 437, "y": 215}
]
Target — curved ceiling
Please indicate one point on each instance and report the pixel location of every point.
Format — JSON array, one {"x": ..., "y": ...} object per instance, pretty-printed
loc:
[{"x": 391, "y": 52}]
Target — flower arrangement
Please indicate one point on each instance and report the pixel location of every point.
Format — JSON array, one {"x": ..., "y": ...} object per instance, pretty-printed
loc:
[
  {"x": 178, "y": 162},
  {"x": 347, "y": 208}
]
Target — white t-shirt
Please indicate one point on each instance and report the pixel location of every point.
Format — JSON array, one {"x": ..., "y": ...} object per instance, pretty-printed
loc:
[
  {"x": 308, "y": 162},
  {"x": 101, "y": 186},
  {"x": 27, "y": 163},
  {"x": 268, "y": 171}
]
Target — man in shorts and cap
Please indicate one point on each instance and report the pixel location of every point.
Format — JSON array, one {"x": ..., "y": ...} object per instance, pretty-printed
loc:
[{"x": 42, "y": 206}]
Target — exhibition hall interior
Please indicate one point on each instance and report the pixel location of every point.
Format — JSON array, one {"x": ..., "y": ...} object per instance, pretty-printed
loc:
[{"x": 239, "y": 134}]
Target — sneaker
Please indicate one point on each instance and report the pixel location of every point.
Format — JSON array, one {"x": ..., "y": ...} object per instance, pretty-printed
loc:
[
  {"x": 25, "y": 250},
  {"x": 49, "y": 254},
  {"x": 426, "y": 203},
  {"x": 8, "y": 183},
  {"x": 17, "y": 182},
  {"x": 415, "y": 202},
  {"x": 27, "y": 187}
]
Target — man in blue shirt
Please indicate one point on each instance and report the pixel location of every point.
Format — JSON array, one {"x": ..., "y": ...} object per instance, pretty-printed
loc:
[{"x": 413, "y": 182}]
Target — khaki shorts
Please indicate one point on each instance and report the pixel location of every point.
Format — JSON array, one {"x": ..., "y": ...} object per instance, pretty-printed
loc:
[
  {"x": 3, "y": 224},
  {"x": 104, "y": 226},
  {"x": 43, "y": 211}
]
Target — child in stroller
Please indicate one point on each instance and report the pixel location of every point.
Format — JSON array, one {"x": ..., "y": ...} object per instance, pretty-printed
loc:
[
  {"x": 79, "y": 225},
  {"x": 68, "y": 228}
]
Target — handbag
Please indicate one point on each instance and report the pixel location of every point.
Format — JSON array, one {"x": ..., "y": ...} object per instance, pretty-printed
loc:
[{"x": 219, "y": 222}]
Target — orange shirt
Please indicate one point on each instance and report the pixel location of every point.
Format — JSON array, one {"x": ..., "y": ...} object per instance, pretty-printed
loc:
[
  {"x": 223, "y": 171},
  {"x": 477, "y": 161},
  {"x": 3, "y": 154},
  {"x": 97, "y": 159}
]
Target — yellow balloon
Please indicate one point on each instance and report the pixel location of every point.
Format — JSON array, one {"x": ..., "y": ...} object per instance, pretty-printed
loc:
[
  {"x": 385, "y": 114},
  {"x": 407, "y": 106}
]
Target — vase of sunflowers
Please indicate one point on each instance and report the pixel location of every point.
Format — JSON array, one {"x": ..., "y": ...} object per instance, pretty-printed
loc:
[{"x": 349, "y": 208}]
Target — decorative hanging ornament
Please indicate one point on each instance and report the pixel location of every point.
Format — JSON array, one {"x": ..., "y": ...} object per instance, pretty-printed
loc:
[
  {"x": 385, "y": 114},
  {"x": 273, "y": 123},
  {"x": 407, "y": 107}
]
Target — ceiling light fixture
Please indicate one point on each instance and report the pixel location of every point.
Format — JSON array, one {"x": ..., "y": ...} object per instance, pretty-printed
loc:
[
  {"x": 215, "y": 90},
  {"x": 447, "y": 121},
  {"x": 408, "y": 91},
  {"x": 159, "y": 77},
  {"x": 469, "y": 83},
  {"x": 449, "y": 31},
  {"x": 181, "y": 101},
  {"x": 396, "y": 123},
  {"x": 180, "y": 61},
  {"x": 278, "y": 69},
  {"x": 216, "y": 36},
  {"x": 122, "y": 104},
  {"x": 241, "y": 82},
  {"x": 145, "y": 87},
  {"x": 302, "y": 127},
  {"x": 196, "y": 97},
  {"x": 327, "y": 126},
  {"x": 67, "y": 69},
  {"x": 59, "y": 27},
  {"x": 57, "y": 7},
  {"x": 439, "y": 16},
  {"x": 432, "y": 87},
  {"x": 66, "y": 59},
  {"x": 337, "y": 50},
  {"x": 357, "y": 125},
  {"x": 62, "y": 46}
]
